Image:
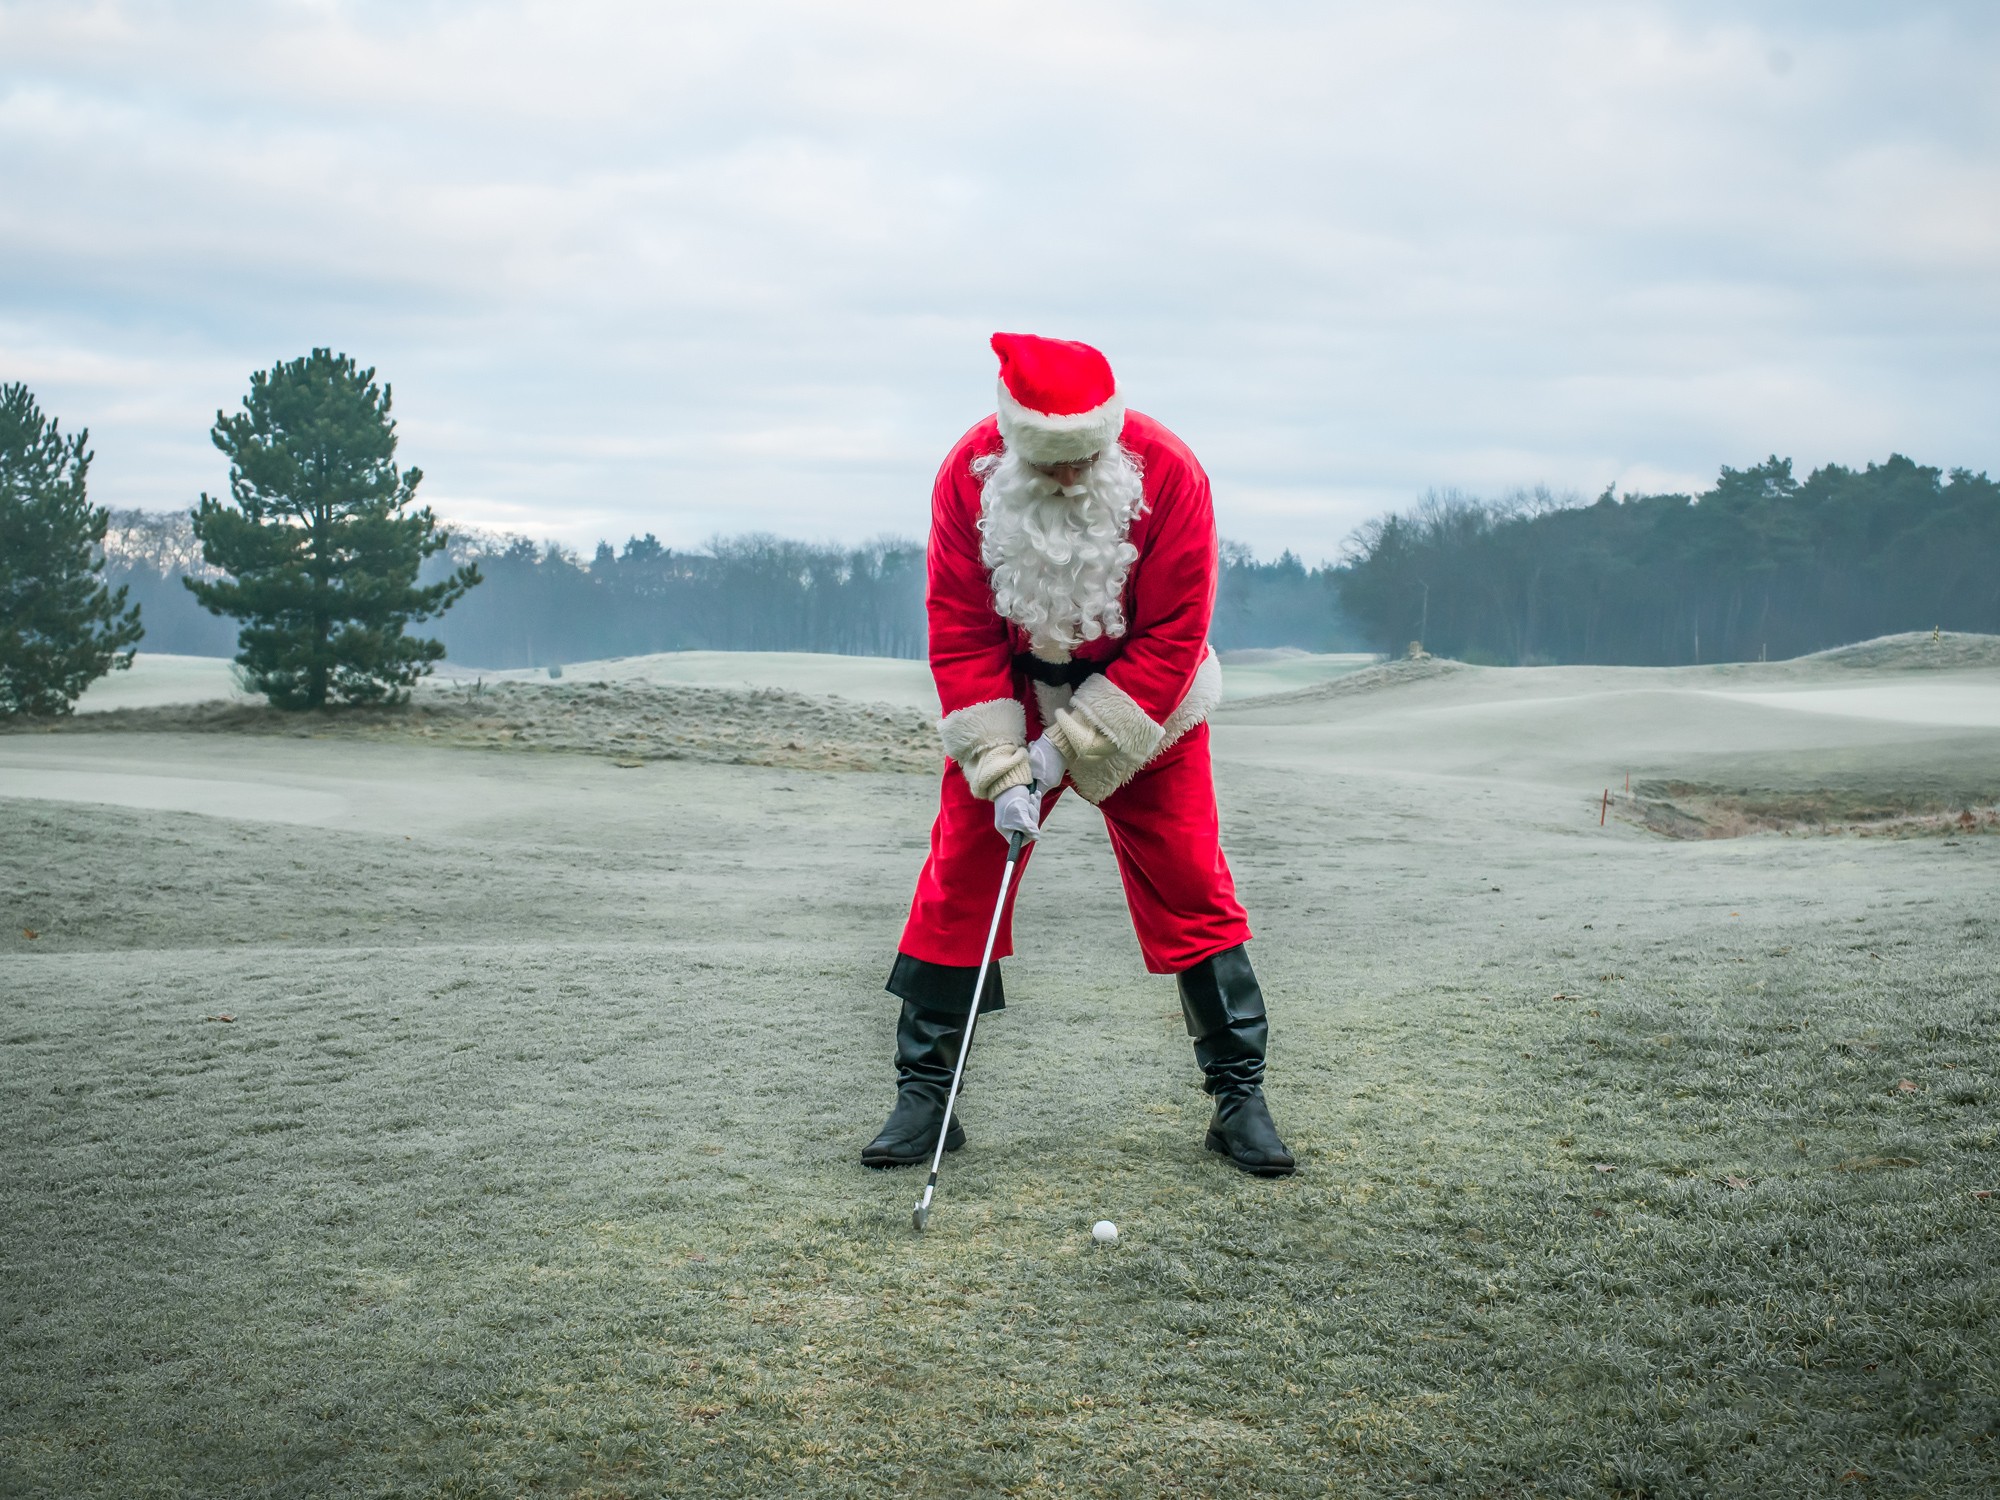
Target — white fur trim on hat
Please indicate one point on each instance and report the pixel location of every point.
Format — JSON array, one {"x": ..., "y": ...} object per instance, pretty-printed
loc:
[{"x": 1044, "y": 439}]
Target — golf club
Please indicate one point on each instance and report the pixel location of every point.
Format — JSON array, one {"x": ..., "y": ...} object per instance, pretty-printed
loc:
[{"x": 921, "y": 1214}]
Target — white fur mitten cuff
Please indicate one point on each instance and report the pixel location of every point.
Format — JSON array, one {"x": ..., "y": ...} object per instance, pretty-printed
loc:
[
  {"x": 990, "y": 743},
  {"x": 1073, "y": 735},
  {"x": 1102, "y": 721},
  {"x": 996, "y": 768}
]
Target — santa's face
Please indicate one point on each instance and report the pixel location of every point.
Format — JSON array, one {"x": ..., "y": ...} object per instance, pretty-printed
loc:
[
  {"x": 1053, "y": 537},
  {"x": 1069, "y": 476}
]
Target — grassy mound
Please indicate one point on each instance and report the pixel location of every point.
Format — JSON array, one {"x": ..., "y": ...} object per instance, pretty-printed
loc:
[
  {"x": 1915, "y": 651},
  {"x": 630, "y": 721}
]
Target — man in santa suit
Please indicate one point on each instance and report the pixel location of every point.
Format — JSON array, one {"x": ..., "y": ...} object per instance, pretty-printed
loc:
[{"x": 1072, "y": 575}]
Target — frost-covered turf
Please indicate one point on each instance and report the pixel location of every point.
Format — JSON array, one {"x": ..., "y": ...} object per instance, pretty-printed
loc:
[
  {"x": 1257, "y": 674},
  {"x": 527, "y": 1163}
]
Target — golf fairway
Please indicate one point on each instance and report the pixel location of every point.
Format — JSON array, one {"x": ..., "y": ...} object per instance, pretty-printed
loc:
[{"x": 525, "y": 1159}]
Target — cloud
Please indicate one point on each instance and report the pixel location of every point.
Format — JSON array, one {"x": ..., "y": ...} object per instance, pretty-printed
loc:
[{"x": 683, "y": 269}]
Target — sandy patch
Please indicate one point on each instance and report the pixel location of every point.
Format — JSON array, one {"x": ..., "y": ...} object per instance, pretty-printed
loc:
[{"x": 1691, "y": 810}]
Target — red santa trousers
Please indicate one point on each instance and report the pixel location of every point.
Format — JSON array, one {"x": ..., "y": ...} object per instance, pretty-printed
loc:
[{"x": 1164, "y": 830}]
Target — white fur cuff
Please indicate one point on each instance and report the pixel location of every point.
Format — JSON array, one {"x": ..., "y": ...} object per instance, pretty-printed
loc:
[
  {"x": 1116, "y": 716},
  {"x": 990, "y": 743},
  {"x": 1202, "y": 697},
  {"x": 1137, "y": 739},
  {"x": 995, "y": 769}
]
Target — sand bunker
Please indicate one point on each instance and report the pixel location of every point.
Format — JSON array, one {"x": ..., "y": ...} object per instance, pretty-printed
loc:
[{"x": 1691, "y": 810}]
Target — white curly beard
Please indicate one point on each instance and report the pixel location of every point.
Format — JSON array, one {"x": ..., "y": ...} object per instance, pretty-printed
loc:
[{"x": 1059, "y": 561}]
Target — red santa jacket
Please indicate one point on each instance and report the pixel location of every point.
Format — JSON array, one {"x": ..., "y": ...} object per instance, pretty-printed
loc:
[{"x": 1159, "y": 679}]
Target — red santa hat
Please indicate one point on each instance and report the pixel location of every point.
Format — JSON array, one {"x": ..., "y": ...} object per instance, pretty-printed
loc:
[{"x": 1059, "y": 401}]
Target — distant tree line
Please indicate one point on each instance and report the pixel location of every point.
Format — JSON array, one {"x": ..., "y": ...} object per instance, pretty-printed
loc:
[
  {"x": 148, "y": 553},
  {"x": 543, "y": 605},
  {"x": 1281, "y": 603},
  {"x": 1762, "y": 565}
]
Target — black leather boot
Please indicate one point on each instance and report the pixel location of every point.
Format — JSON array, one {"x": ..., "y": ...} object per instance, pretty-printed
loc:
[
  {"x": 1225, "y": 1016},
  {"x": 926, "y": 1053}
]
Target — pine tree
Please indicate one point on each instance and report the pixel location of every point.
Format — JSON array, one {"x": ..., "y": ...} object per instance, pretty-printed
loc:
[
  {"x": 61, "y": 626},
  {"x": 323, "y": 555}
]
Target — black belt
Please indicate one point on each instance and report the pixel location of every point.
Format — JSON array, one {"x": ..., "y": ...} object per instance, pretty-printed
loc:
[{"x": 1069, "y": 674}]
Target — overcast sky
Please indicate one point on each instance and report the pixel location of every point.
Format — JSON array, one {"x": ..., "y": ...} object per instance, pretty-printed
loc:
[{"x": 699, "y": 269}]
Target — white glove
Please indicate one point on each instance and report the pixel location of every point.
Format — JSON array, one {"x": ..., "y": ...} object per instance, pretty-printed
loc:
[
  {"x": 1014, "y": 811},
  {"x": 1046, "y": 764}
]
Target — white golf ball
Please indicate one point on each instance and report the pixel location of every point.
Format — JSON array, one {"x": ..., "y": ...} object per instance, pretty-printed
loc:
[{"x": 1104, "y": 1232}]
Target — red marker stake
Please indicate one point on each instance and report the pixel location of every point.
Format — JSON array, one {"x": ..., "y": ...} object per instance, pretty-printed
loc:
[{"x": 1605, "y": 808}]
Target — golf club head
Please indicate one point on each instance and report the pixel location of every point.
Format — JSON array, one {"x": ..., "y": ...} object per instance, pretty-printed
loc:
[{"x": 920, "y": 1216}]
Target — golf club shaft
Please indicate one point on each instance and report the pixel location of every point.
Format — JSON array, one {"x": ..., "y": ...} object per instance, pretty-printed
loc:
[{"x": 1015, "y": 844}]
